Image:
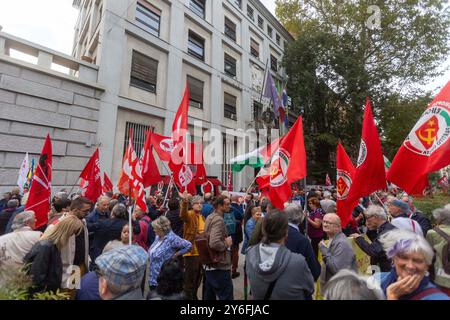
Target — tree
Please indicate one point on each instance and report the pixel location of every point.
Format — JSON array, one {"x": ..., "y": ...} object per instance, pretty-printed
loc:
[{"x": 342, "y": 55}]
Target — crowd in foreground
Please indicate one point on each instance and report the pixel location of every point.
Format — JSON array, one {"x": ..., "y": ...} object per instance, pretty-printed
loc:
[{"x": 85, "y": 251}]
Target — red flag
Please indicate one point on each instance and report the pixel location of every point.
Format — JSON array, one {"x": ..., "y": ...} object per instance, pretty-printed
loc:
[
  {"x": 163, "y": 146},
  {"x": 288, "y": 164},
  {"x": 180, "y": 122},
  {"x": 91, "y": 177},
  {"x": 370, "y": 173},
  {"x": 230, "y": 182},
  {"x": 345, "y": 173},
  {"x": 39, "y": 197},
  {"x": 183, "y": 177},
  {"x": 150, "y": 171},
  {"x": 263, "y": 178},
  {"x": 327, "y": 180},
  {"x": 131, "y": 176},
  {"x": 427, "y": 147},
  {"x": 107, "y": 184}
]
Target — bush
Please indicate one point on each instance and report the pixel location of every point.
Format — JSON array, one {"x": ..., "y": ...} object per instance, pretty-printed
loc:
[{"x": 428, "y": 204}]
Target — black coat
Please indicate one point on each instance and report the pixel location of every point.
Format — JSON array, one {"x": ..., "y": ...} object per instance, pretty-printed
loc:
[
  {"x": 45, "y": 266},
  {"x": 423, "y": 221},
  {"x": 375, "y": 249}
]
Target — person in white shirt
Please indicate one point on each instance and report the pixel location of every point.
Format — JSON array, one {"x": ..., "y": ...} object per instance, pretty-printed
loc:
[{"x": 15, "y": 245}]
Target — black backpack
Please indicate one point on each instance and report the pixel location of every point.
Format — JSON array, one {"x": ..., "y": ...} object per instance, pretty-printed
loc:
[{"x": 445, "y": 250}]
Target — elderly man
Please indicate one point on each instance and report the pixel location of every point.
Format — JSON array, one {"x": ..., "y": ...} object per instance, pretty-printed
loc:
[
  {"x": 376, "y": 221},
  {"x": 328, "y": 205},
  {"x": 338, "y": 254},
  {"x": 418, "y": 216},
  {"x": 194, "y": 224},
  {"x": 101, "y": 211},
  {"x": 17, "y": 244},
  {"x": 121, "y": 272},
  {"x": 297, "y": 242}
]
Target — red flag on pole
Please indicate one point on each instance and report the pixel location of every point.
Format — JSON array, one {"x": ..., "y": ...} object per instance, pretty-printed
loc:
[
  {"x": 180, "y": 122},
  {"x": 288, "y": 164},
  {"x": 370, "y": 173},
  {"x": 91, "y": 177},
  {"x": 327, "y": 180},
  {"x": 426, "y": 148},
  {"x": 163, "y": 146},
  {"x": 345, "y": 173},
  {"x": 107, "y": 184},
  {"x": 40, "y": 192},
  {"x": 150, "y": 171}
]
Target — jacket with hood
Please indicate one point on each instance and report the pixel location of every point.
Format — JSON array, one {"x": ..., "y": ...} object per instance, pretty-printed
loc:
[{"x": 266, "y": 263}]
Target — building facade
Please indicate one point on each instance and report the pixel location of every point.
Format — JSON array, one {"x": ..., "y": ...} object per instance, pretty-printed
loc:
[{"x": 147, "y": 50}]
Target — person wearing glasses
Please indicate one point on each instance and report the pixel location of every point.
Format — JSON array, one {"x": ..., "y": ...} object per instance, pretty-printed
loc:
[
  {"x": 376, "y": 220},
  {"x": 338, "y": 254},
  {"x": 315, "y": 232}
]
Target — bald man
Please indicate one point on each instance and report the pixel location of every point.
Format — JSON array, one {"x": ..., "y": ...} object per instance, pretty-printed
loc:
[{"x": 338, "y": 253}]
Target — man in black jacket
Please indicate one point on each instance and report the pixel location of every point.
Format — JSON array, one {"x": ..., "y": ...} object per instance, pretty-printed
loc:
[
  {"x": 376, "y": 219},
  {"x": 418, "y": 216}
]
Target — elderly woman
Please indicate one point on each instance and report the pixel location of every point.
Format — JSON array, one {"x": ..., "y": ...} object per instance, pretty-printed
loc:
[
  {"x": 411, "y": 255},
  {"x": 315, "y": 232},
  {"x": 438, "y": 239},
  {"x": 167, "y": 245},
  {"x": 349, "y": 285}
]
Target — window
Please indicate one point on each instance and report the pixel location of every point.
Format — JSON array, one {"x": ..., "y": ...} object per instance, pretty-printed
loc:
[
  {"x": 273, "y": 63},
  {"x": 139, "y": 134},
  {"x": 269, "y": 31},
  {"x": 230, "y": 66},
  {"x": 254, "y": 48},
  {"x": 278, "y": 39},
  {"x": 257, "y": 110},
  {"x": 144, "y": 72},
  {"x": 198, "y": 6},
  {"x": 250, "y": 13},
  {"x": 229, "y": 106},
  {"x": 149, "y": 17},
  {"x": 196, "y": 46},
  {"x": 195, "y": 92},
  {"x": 238, "y": 3},
  {"x": 230, "y": 29},
  {"x": 260, "y": 22}
]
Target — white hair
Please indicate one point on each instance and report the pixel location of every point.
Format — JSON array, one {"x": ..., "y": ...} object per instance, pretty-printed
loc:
[
  {"x": 327, "y": 194},
  {"x": 374, "y": 210},
  {"x": 294, "y": 213},
  {"x": 348, "y": 285},
  {"x": 102, "y": 197},
  {"x": 403, "y": 241},
  {"x": 21, "y": 219},
  {"x": 442, "y": 215}
]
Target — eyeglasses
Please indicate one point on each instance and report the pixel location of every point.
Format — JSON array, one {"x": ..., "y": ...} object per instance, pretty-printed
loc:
[{"x": 329, "y": 223}]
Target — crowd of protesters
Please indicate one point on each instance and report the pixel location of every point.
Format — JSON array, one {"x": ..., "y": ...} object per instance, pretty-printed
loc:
[{"x": 281, "y": 248}]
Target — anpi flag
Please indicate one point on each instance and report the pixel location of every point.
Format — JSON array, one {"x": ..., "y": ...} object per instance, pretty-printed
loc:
[
  {"x": 107, "y": 184},
  {"x": 150, "y": 171},
  {"x": 287, "y": 165},
  {"x": 345, "y": 173},
  {"x": 23, "y": 172},
  {"x": 92, "y": 188},
  {"x": 39, "y": 198},
  {"x": 370, "y": 173},
  {"x": 426, "y": 148}
]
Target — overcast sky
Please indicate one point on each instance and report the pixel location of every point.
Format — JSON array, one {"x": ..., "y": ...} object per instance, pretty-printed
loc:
[{"x": 51, "y": 23}]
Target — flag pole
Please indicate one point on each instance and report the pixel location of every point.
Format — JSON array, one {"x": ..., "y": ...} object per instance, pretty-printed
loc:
[
  {"x": 130, "y": 222},
  {"x": 167, "y": 191},
  {"x": 264, "y": 81},
  {"x": 170, "y": 174}
]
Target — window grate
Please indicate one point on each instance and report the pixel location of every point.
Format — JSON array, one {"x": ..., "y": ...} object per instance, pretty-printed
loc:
[{"x": 139, "y": 135}]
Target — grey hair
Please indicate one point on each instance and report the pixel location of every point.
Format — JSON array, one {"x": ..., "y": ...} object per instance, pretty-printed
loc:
[
  {"x": 119, "y": 211},
  {"x": 21, "y": 219},
  {"x": 327, "y": 194},
  {"x": 348, "y": 285},
  {"x": 13, "y": 203},
  {"x": 294, "y": 213},
  {"x": 102, "y": 197},
  {"x": 374, "y": 210},
  {"x": 442, "y": 215},
  {"x": 404, "y": 241},
  {"x": 196, "y": 199}
]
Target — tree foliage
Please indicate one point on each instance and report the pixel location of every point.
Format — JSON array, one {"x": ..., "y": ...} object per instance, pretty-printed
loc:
[{"x": 341, "y": 56}]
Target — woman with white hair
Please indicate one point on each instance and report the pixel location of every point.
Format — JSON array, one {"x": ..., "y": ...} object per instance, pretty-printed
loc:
[
  {"x": 439, "y": 240},
  {"x": 167, "y": 245},
  {"x": 349, "y": 285},
  {"x": 409, "y": 279},
  {"x": 18, "y": 243}
]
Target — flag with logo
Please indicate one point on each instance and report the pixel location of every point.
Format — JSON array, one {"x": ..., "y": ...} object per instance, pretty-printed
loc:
[
  {"x": 23, "y": 172},
  {"x": 287, "y": 165},
  {"x": 150, "y": 171},
  {"x": 39, "y": 196},
  {"x": 163, "y": 146},
  {"x": 345, "y": 173},
  {"x": 327, "y": 180},
  {"x": 426, "y": 148},
  {"x": 92, "y": 183},
  {"x": 370, "y": 175},
  {"x": 107, "y": 184}
]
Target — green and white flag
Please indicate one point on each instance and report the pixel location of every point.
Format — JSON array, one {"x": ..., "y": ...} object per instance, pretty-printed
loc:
[
  {"x": 387, "y": 163},
  {"x": 254, "y": 159}
]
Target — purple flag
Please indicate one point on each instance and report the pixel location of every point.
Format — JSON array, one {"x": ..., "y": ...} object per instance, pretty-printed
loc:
[{"x": 270, "y": 91}]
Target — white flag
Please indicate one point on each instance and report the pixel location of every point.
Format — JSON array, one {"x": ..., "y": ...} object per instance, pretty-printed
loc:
[{"x": 23, "y": 172}]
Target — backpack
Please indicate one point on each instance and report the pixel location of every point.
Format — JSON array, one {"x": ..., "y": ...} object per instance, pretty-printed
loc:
[
  {"x": 445, "y": 250},
  {"x": 207, "y": 255}
]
